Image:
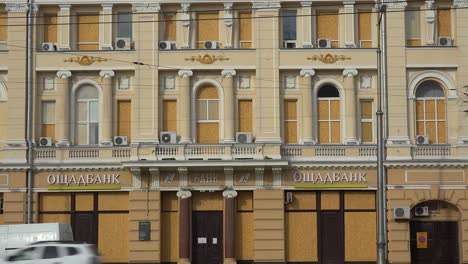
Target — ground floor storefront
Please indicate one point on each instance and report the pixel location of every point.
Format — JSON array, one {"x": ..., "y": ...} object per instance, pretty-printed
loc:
[{"x": 244, "y": 215}]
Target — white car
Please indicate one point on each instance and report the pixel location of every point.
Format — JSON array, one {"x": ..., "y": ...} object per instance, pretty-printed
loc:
[{"x": 54, "y": 252}]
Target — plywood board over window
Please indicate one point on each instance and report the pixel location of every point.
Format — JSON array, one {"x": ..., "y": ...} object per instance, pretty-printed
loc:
[
  {"x": 88, "y": 32},
  {"x": 124, "y": 119},
  {"x": 290, "y": 121},
  {"x": 365, "y": 28},
  {"x": 444, "y": 25},
  {"x": 301, "y": 236},
  {"x": 360, "y": 236},
  {"x": 50, "y": 28},
  {"x": 169, "y": 115},
  {"x": 113, "y": 237},
  {"x": 327, "y": 26},
  {"x": 170, "y": 26},
  {"x": 3, "y": 26},
  {"x": 208, "y": 28},
  {"x": 245, "y": 115},
  {"x": 48, "y": 119},
  {"x": 245, "y": 30}
]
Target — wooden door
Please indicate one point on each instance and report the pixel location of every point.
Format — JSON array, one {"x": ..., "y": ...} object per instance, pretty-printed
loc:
[
  {"x": 331, "y": 237},
  {"x": 207, "y": 237},
  {"x": 442, "y": 243},
  {"x": 85, "y": 228}
]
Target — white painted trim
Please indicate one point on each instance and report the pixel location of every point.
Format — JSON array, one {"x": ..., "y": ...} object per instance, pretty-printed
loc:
[
  {"x": 448, "y": 84},
  {"x": 91, "y": 68},
  {"x": 320, "y": 67},
  {"x": 236, "y": 67}
]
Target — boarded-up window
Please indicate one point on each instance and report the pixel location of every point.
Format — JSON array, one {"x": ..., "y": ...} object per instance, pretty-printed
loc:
[
  {"x": 327, "y": 26},
  {"x": 208, "y": 28},
  {"x": 245, "y": 30},
  {"x": 245, "y": 115},
  {"x": 244, "y": 226},
  {"x": 430, "y": 112},
  {"x": 413, "y": 27},
  {"x": 365, "y": 28},
  {"x": 290, "y": 121},
  {"x": 3, "y": 26},
  {"x": 207, "y": 115},
  {"x": 170, "y": 26},
  {"x": 88, "y": 32},
  {"x": 367, "y": 131},
  {"x": 48, "y": 119},
  {"x": 444, "y": 25},
  {"x": 360, "y": 236},
  {"x": 329, "y": 115},
  {"x": 50, "y": 28},
  {"x": 170, "y": 115},
  {"x": 169, "y": 234},
  {"x": 124, "y": 119}
]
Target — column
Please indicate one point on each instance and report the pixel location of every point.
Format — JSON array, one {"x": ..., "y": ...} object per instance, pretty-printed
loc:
[
  {"x": 228, "y": 86},
  {"x": 229, "y": 226},
  {"x": 228, "y": 22},
  {"x": 185, "y": 209},
  {"x": 183, "y": 105},
  {"x": 106, "y": 108},
  {"x": 350, "y": 102},
  {"x": 306, "y": 24},
  {"x": 430, "y": 22},
  {"x": 63, "y": 28},
  {"x": 307, "y": 110},
  {"x": 349, "y": 24},
  {"x": 62, "y": 106},
  {"x": 185, "y": 26},
  {"x": 105, "y": 27}
]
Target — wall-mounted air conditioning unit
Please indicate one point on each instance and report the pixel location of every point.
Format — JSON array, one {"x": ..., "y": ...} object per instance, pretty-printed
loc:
[
  {"x": 120, "y": 141},
  {"x": 243, "y": 137},
  {"x": 401, "y": 213},
  {"x": 210, "y": 44},
  {"x": 445, "y": 41},
  {"x": 324, "y": 43},
  {"x": 123, "y": 43},
  {"x": 422, "y": 139},
  {"x": 167, "y": 45},
  {"x": 289, "y": 44},
  {"x": 48, "y": 46},
  {"x": 168, "y": 137},
  {"x": 421, "y": 211},
  {"x": 45, "y": 142}
]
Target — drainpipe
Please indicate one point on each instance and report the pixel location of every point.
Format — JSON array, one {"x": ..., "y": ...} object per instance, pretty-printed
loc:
[{"x": 29, "y": 105}]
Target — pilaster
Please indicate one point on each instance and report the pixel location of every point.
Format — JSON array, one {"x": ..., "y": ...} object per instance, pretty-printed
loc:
[
  {"x": 63, "y": 27},
  {"x": 183, "y": 111},
  {"x": 307, "y": 119},
  {"x": 228, "y": 86},
  {"x": 62, "y": 106},
  {"x": 106, "y": 108},
  {"x": 349, "y": 24},
  {"x": 228, "y": 24},
  {"x": 105, "y": 27},
  {"x": 306, "y": 9},
  {"x": 351, "y": 113}
]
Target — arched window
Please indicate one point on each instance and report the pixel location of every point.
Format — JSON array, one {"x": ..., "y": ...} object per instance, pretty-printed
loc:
[
  {"x": 87, "y": 116},
  {"x": 430, "y": 112},
  {"x": 329, "y": 115},
  {"x": 207, "y": 115}
]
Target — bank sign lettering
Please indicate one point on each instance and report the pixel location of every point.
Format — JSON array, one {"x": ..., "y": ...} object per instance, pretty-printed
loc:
[
  {"x": 329, "y": 177},
  {"x": 83, "y": 179}
]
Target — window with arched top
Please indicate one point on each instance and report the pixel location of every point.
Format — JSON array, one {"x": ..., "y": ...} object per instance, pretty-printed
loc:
[
  {"x": 207, "y": 106},
  {"x": 87, "y": 115},
  {"x": 430, "y": 112},
  {"x": 329, "y": 131}
]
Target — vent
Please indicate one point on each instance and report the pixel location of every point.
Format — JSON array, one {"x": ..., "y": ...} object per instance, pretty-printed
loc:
[
  {"x": 422, "y": 139},
  {"x": 243, "y": 138},
  {"x": 401, "y": 213},
  {"x": 167, "y": 45},
  {"x": 445, "y": 41},
  {"x": 421, "y": 211},
  {"x": 210, "y": 44},
  {"x": 120, "y": 141},
  {"x": 324, "y": 43},
  {"x": 48, "y": 46},
  {"x": 45, "y": 142},
  {"x": 123, "y": 44},
  {"x": 168, "y": 137}
]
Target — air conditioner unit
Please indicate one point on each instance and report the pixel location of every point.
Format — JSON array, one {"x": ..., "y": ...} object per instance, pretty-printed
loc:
[
  {"x": 421, "y": 211},
  {"x": 45, "y": 142},
  {"x": 48, "y": 46},
  {"x": 167, "y": 45},
  {"x": 123, "y": 44},
  {"x": 422, "y": 139},
  {"x": 289, "y": 198},
  {"x": 243, "y": 137},
  {"x": 168, "y": 137},
  {"x": 401, "y": 213},
  {"x": 120, "y": 141},
  {"x": 324, "y": 43},
  {"x": 210, "y": 44},
  {"x": 445, "y": 41},
  {"x": 289, "y": 44}
]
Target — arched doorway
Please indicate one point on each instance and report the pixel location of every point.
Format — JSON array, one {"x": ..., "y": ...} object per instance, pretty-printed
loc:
[
  {"x": 207, "y": 107},
  {"x": 329, "y": 124},
  {"x": 434, "y": 233}
]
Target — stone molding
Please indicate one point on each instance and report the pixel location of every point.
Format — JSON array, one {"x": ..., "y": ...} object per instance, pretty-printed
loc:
[
  {"x": 184, "y": 194},
  {"x": 185, "y": 73},
  {"x": 228, "y": 73},
  {"x": 146, "y": 7},
  {"x": 307, "y": 73},
  {"x": 350, "y": 72},
  {"x": 229, "y": 194},
  {"x": 64, "y": 74},
  {"x": 107, "y": 74}
]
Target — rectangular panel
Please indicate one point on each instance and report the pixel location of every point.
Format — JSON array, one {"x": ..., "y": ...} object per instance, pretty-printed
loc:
[
  {"x": 430, "y": 109},
  {"x": 301, "y": 236},
  {"x": 48, "y": 112},
  {"x": 170, "y": 26},
  {"x": 202, "y": 110},
  {"x": 360, "y": 236},
  {"x": 245, "y": 115},
  {"x": 413, "y": 42},
  {"x": 302, "y": 201},
  {"x": 208, "y": 27},
  {"x": 365, "y": 28},
  {"x": 48, "y": 131},
  {"x": 245, "y": 29},
  {"x": 245, "y": 201},
  {"x": 335, "y": 110},
  {"x": 88, "y": 32},
  {"x": 88, "y": 46},
  {"x": 169, "y": 202},
  {"x": 420, "y": 128},
  {"x": 359, "y": 200},
  {"x": 124, "y": 119},
  {"x": 324, "y": 132},
  {"x": 444, "y": 28},
  {"x": 367, "y": 132},
  {"x": 84, "y": 202},
  {"x": 327, "y": 25},
  {"x": 244, "y": 236},
  {"x": 441, "y": 133},
  {"x": 431, "y": 132},
  {"x": 323, "y": 109},
  {"x": 213, "y": 110},
  {"x": 366, "y": 109},
  {"x": 445, "y": 176},
  {"x": 290, "y": 132},
  {"x": 54, "y": 218},
  {"x": 207, "y": 201},
  {"x": 169, "y": 237},
  {"x": 113, "y": 237},
  {"x": 3, "y": 26},
  {"x": 290, "y": 109},
  {"x": 208, "y": 133},
  {"x": 330, "y": 201},
  {"x": 58, "y": 202},
  {"x": 110, "y": 201},
  {"x": 441, "y": 110},
  {"x": 82, "y": 136},
  {"x": 419, "y": 110},
  {"x": 169, "y": 115},
  {"x": 335, "y": 132},
  {"x": 50, "y": 28}
]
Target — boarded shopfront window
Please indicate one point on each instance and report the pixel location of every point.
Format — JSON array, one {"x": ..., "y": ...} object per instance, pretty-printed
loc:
[
  {"x": 207, "y": 115},
  {"x": 244, "y": 226},
  {"x": 329, "y": 115},
  {"x": 430, "y": 112},
  {"x": 170, "y": 227}
]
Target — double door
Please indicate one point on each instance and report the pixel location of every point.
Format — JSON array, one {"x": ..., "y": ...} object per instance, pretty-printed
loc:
[{"x": 207, "y": 237}]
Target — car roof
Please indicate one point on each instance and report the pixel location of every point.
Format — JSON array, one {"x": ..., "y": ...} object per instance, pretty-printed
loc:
[{"x": 60, "y": 242}]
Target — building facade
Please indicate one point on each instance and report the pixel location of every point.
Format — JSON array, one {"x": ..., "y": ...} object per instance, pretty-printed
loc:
[{"x": 239, "y": 132}]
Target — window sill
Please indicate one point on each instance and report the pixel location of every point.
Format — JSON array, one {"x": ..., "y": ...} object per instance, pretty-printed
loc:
[
  {"x": 432, "y": 47},
  {"x": 219, "y": 49}
]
